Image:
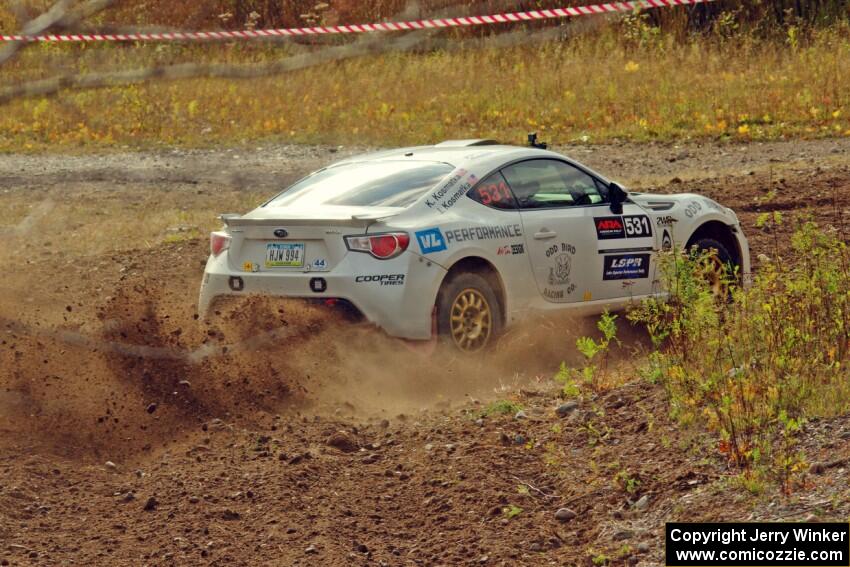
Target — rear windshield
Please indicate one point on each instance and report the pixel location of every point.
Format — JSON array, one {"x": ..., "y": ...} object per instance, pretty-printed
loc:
[{"x": 376, "y": 183}]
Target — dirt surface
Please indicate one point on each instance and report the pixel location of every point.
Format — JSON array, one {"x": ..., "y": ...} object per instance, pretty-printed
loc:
[{"x": 279, "y": 434}]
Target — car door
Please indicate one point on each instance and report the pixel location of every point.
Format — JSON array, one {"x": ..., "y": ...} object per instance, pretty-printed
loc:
[
  {"x": 625, "y": 259},
  {"x": 557, "y": 203}
]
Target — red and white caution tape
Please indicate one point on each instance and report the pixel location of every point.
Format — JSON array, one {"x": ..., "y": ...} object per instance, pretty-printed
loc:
[{"x": 438, "y": 23}]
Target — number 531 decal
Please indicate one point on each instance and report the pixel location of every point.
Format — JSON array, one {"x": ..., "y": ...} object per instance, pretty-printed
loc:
[
  {"x": 628, "y": 226},
  {"x": 494, "y": 193},
  {"x": 637, "y": 226}
]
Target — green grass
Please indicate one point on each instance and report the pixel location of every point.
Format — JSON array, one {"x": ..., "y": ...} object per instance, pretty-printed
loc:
[
  {"x": 609, "y": 86},
  {"x": 502, "y": 407}
]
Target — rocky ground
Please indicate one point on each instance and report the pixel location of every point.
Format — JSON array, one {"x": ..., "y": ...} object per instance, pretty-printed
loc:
[{"x": 277, "y": 434}]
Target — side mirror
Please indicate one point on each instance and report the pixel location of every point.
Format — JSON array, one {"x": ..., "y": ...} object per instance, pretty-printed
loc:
[{"x": 616, "y": 195}]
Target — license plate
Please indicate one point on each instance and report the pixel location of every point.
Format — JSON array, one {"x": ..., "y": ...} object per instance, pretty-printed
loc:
[{"x": 284, "y": 255}]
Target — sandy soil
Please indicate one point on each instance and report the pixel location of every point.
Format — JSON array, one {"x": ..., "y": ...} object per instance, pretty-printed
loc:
[{"x": 279, "y": 434}]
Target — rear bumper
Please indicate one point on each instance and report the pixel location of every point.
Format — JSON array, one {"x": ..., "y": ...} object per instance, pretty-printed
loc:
[{"x": 401, "y": 302}]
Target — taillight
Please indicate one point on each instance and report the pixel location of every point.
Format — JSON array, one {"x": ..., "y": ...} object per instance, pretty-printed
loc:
[
  {"x": 382, "y": 246},
  {"x": 219, "y": 242}
]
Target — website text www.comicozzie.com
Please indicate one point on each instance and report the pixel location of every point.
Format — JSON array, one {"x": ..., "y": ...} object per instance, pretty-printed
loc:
[
  {"x": 758, "y": 544},
  {"x": 747, "y": 555}
]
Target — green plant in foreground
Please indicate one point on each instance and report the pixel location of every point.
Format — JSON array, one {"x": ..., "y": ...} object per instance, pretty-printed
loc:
[
  {"x": 625, "y": 481},
  {"x": 566, "y": 377},
  {"x": 592, "y": 350},
  {"x": 753, "y": 368},
  {"x": 501, "y": 407},
  {"x": 510, "y": 511}
]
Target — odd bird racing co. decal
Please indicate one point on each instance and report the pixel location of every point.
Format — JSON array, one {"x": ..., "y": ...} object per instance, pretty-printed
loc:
[
  {"x": 451, "y": 190},
  {"x": 431, "y": 240},
  {"x": 561, "y": 258},
  {"x": 626, "y": 226},
  {"x": 626, "y": 267}
]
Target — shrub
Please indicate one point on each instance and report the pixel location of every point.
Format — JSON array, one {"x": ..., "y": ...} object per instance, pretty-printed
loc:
[{"x": 753, "y": 368}]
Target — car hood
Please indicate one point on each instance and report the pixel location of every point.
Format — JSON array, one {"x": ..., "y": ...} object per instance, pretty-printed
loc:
[{"x": 659, "y": 202}]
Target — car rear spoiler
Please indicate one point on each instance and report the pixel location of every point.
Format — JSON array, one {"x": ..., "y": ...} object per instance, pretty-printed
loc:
[{"x": 362, "y": 219}]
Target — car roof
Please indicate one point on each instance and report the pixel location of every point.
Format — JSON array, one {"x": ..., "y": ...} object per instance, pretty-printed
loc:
[
  {"x": 451, "y": 152},
  {"x": 479, "y": 155}
]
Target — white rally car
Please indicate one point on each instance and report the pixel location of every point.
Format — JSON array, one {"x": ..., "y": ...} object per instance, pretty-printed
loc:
[{"x": 469, "y": 234}]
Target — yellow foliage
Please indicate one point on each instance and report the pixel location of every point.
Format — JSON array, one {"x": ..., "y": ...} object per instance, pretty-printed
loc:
[{"x": 704, "y": 89}]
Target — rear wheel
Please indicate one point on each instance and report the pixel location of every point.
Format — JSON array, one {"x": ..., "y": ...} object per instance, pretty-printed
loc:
[
  {"x": 468, "y": 313},
  {"x": 718, "y": 265}
]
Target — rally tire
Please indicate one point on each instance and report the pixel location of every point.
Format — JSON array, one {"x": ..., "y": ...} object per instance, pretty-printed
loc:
[
  {"x": 469, "y": 317},
  {"x": 721, "y": 266}
]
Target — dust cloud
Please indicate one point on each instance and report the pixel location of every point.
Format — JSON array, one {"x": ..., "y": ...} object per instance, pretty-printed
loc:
[{"x": 154, "y": 371}]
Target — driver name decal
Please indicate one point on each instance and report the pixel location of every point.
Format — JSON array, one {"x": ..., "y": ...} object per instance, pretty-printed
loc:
[{"x": 451, "y": 190}]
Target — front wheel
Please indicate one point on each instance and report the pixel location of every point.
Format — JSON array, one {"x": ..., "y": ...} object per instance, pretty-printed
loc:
[
  {"x": 468, "y": 313},
  {"x": 718, "y": 268}
]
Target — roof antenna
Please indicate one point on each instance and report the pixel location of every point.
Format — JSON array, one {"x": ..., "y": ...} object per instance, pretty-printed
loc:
[{"x": 532, "y": 141}]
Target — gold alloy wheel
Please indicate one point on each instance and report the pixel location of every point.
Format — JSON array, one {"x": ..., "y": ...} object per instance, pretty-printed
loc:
[
  {"x": 714, "y": 273},
  {"x": 471, "y": 320}
]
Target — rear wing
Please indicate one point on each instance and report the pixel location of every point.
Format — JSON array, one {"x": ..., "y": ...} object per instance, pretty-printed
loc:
[{"x": 359, "y": 219}]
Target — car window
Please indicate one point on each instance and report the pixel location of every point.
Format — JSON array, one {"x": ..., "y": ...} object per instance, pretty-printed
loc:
[
  {"x": 546, "y": 183},
  {"x": 376, "y": 183},
  {"x": 493, "y": 192}
]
